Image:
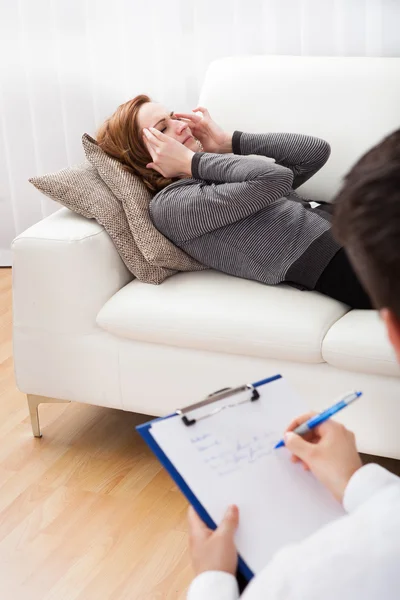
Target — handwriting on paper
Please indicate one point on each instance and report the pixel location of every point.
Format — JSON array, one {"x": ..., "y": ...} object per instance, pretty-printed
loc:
[{"x": 227, "y": 454}]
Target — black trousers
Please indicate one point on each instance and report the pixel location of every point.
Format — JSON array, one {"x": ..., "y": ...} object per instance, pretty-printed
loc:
[{"x": 339, "y": 281}]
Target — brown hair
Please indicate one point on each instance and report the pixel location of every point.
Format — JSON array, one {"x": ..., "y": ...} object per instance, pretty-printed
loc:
[
  {"x": 119, "y": 137},
  {"x": 367, "y": 221}
]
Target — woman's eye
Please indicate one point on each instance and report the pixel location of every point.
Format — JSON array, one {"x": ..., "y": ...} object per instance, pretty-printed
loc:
[{"x": 162, "y": 130}]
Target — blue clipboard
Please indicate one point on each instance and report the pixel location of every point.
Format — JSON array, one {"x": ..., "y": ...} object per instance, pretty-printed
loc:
[{"x": 145, "y": 431}]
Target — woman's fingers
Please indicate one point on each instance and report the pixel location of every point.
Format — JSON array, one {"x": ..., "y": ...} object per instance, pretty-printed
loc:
[
  {"x": 149, "y": 138},
  {"x": 203, "y": 110},
  {"x": 150, "y": 147},
  {"x": 189, "y": 116},
  {"x": 148, "y": 134},
  {"x": 154, "y": 136},
  {"x": 187, "y": 120},
  {"x": 158, "y": 134},
  {"x": 155, "y": 168},
  {"x": 150, "y": 143}
]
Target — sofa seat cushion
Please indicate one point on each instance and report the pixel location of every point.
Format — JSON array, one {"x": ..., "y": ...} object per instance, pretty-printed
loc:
[
  {"x": 220, "y": 313},
  {"x": 358, "y": 342}
]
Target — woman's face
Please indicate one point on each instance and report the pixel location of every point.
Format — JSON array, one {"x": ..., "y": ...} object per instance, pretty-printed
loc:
[{"x": 152, "y": 114}]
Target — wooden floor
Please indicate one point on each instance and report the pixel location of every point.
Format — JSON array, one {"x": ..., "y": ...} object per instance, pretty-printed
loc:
[{"x": 86, "y": 512}]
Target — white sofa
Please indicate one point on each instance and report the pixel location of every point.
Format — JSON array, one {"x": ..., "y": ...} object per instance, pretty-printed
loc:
[{"x": 85, "y": 331}]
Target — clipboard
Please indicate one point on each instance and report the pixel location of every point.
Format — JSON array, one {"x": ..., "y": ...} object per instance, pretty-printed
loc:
[
  {"x": 285, "y": 491},
  {"x": 145, "y": 431}
]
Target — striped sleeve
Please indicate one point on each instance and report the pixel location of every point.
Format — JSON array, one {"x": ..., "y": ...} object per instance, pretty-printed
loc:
[
  {"x": 226, "y": 188},
  {"x": 303, "y": 154}
]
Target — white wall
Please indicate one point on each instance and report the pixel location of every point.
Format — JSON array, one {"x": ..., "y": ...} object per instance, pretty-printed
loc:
[{"x": 66, "y": 64}]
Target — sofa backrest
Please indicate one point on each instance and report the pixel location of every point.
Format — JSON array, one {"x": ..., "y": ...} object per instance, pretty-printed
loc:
[{"x": 350, "y": 102}]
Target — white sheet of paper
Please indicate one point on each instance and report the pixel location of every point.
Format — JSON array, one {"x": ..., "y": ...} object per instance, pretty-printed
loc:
[{"x": 229, "y": 459}]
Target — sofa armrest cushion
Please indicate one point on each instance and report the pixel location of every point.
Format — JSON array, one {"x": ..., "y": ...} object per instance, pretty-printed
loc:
[{"x": 64, "y": 270}]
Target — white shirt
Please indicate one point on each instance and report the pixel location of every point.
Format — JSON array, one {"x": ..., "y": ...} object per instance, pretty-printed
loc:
[{"x": 356, "y": 557}]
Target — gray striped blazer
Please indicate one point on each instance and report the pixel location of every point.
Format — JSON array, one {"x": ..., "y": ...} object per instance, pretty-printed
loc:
[{"x": 240, "y": 215}]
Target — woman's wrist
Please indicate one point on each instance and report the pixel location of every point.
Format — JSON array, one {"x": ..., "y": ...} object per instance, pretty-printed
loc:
[
  {"x": 187, "y": 166},
  {"x": 226, "y": 146}
]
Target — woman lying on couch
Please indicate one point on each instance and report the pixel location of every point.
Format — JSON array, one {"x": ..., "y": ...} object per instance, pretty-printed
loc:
[{"x": 233, "y": 212}]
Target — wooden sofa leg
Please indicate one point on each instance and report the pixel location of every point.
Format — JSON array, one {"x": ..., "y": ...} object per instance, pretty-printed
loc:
[{"x": 33, "y": 403}]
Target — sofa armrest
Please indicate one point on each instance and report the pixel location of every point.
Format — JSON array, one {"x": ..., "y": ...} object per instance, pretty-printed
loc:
[{"x": 64, "y": 270}]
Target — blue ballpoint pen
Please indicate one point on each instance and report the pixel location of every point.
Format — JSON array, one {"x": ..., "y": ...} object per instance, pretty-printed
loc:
[{"x": 323, "y": 416}]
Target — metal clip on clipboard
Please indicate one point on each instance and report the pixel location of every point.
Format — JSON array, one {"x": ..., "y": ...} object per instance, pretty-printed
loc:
[{"x": 219, "y": 395}]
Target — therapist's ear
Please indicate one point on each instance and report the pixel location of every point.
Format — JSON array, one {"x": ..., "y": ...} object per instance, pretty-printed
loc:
[{"x": 393, "y": 329}]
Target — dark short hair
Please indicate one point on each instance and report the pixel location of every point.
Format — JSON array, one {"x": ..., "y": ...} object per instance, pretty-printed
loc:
[{"x": 367, "y": 221}]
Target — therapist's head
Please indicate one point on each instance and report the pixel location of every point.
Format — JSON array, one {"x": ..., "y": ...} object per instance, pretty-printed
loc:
[{"x": 367, "y": 223}]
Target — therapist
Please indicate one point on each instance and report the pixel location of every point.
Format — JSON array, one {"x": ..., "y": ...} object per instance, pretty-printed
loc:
[{"x": 356, "y": 557}]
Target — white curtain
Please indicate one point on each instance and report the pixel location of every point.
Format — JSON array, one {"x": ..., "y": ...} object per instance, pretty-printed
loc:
[{"x": 66, "y": 64}]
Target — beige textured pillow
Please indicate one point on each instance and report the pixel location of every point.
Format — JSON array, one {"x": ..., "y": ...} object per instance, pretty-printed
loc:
[
  {"x": 82, "y": 190},
  {"x": 135, "y": 199}
]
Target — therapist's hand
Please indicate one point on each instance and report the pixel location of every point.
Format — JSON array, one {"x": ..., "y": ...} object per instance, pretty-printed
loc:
[
  {"x": 328, "y": 451},
  {"x": 213, "y": 550}
]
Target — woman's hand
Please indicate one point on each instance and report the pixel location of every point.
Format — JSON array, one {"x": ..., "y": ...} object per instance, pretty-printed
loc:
[
  {"x": 170, "y": 158},
  {"x": 213, "y": 550},
  {"x": 211, "y": 136},
  {"x": 328, "y": 451}
]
